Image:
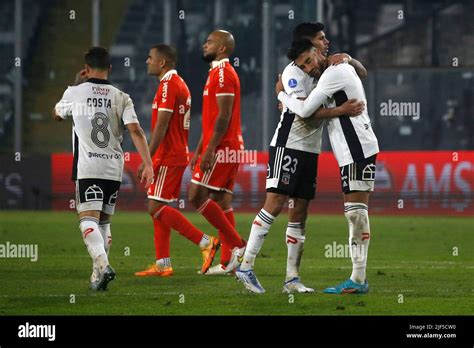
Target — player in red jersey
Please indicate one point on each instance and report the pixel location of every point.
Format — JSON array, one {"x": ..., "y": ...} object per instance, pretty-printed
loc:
[
  {"x": 169, "y": 150},
  {"x": 213, "y": 177}
]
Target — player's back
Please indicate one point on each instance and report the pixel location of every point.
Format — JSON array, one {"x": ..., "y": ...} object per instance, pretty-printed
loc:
[
  {"x": 99, "y": 112},
  {"x": 222, "y": 81},
  {"x": 173, "y": 96},
  {"x": 352, "y": 138}
]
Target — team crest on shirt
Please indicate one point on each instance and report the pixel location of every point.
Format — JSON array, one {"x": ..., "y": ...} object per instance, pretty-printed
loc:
[{"x": 285, "y": 179}]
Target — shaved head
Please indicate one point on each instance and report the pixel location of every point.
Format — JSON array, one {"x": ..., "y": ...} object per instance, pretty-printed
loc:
[
  {"x": 219, "y": 44},
  {"x": 226, "y": 39}
]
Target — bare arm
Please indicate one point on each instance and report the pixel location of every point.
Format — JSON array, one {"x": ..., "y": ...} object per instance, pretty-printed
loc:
[
  {"x": 160, "y": 130},
  {"x": 197, "y": 153},
  {"x": 56, "y": 117},
  {"x": 225, "y": 104},
  {"x": 139, "y": 140},
  {"x": 359, "y": 68},
  {"x": 350, "y": 108}
]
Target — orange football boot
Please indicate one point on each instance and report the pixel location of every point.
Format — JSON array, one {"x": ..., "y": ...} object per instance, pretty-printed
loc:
[
  {"x": 156, "y": 271},
  {"x": 208, "y": 254}
]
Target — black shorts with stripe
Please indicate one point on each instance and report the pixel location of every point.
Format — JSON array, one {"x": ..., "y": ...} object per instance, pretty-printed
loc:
[
  {"x": 359, "y": 176},
  {"x": 292, "y": 172}
]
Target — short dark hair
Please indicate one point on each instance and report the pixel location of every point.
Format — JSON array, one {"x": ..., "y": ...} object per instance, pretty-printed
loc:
[
  {"x": 98, "y": 58},
  {"x": 298, "y": 47},
  {"x": 167, "y": 51},
  {"x": 307, "y": 30}
]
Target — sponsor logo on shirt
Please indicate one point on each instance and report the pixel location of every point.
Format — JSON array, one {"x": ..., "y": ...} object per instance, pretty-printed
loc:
[
  {"x": 103, "y": 155},
  {"x": 221, "y": 77},
  {"x": 165, "y": 92},
  {"x": 292, "y": 83}
]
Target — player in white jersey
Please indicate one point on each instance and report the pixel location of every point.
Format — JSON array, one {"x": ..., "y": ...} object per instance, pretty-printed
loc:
[
  {"x": 99, "y": 112},
  {"x": 292, "y": 170},
  {"x": 354, "y": 145}
]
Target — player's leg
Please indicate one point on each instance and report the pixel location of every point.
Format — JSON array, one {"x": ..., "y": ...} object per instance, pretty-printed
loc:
[
  {"x": 90, "y": 195},
  {"x": 357, "y": 182},
  {"x": 295, "y": 238},
  {"x": 357, "y": 214},
  {"x": 274, "y": 203},
  {"x": 305, "y": 173},
  {"x": 104, "y": 227},
  {"x": 224, "y": 200},
  {"x": 199, "y": 196}
]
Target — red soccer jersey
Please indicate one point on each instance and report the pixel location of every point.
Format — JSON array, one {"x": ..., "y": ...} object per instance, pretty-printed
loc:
[
  {"x": 172, "y": 95},
  {"x": 222, "y": 80}
]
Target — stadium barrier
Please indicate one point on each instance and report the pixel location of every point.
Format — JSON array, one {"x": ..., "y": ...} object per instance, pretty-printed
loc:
[{"x": 407, "y": 182}]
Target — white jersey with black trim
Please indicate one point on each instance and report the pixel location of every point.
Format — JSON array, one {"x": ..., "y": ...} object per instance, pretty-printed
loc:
[
  {"x": 352, "y": 138},
  {"x": 293, "y": 131},
  {"x": 99, "y": 112}
]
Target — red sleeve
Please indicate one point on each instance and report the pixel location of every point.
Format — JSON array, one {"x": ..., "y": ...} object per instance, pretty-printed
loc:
[
  {"x": 167, "y": 96},
  {"x": 225, "y": 82}
]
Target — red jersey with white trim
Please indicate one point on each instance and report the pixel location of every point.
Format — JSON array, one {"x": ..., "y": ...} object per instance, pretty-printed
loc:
[
  {"x": 172, "y": 95},
  {"x": 222, "y": 80}
]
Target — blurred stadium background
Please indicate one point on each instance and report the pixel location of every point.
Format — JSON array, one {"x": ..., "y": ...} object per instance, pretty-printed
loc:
[{"x": 415, "y": 52}]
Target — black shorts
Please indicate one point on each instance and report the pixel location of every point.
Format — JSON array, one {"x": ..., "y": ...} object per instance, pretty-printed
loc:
[
  {"x": 359, "y": 176},
  {"x": 292, "y": 172},
  {"x": 96, "y": 194}
]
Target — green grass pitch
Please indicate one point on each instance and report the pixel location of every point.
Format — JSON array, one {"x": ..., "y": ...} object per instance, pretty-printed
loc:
[{"x": 411, "y": 269}]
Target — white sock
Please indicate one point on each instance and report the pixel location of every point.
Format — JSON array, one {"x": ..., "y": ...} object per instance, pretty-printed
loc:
[
  {"x": 262, "y": 223},
  {"x": 94, "y": 241},
  {"x": 357, "y": 216},
  {"x": 165, "y": 262},
  {"x": 294, "y": 242},
  {"x": 104, "y": 227},
  {"x": 204, "y": 241}
]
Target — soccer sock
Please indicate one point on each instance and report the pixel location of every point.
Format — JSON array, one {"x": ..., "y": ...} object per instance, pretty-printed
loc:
[
  {"x": 94, "y": 241},
  {"x": 177, "y": 221},
  {"x": 295, "y": 237},
  {"x": 104, "y": 227},
  {"x": 161, "y": 236},
  {"x": 204, "y": 241},
  {"x": 225, "y": 248},
  {"x": 164, "y": 262},
  {"x": 214, "y": 214},
  {"x": 260, "y": 227},
  {"x": 357, "y": 216}
]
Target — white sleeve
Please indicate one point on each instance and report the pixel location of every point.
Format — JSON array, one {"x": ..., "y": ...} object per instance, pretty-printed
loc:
[
  {"x": 129, "y": 115},
  {"x": 293, "y": 82},
  {"x": 330, "y": 82},
  {"x": 64, "y": 106}
]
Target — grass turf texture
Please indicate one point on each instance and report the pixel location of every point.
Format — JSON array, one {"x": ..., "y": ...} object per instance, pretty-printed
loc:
[{"x": 408, "y": 256}]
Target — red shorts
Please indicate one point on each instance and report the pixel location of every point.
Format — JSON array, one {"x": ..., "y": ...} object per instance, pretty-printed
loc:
[
  {"x": 166, "y": 184},
  {"x": 221, "y": 177}
]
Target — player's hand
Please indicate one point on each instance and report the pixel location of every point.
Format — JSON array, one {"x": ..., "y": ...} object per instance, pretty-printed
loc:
[
  {"x": 81, "y": 77},
  {"x": 339, "y": 58},
  {"x": 194, "y": 161},
  {"x": 207, "y": 160},
  {"x": 147, "y": 175},
  {"x": 279, "y": 85},
  {"x": 352, "y": 107},
  {"x": 280, "y": 106},
  {"x": 140, "y": 170}
]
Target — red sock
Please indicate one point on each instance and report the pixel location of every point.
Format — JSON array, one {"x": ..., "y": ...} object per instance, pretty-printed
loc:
[
  {"x": 162, "y": 239},
  {"x": 225, "y": 248},
  {"x": 214, "y": 214},
  {"x": 173, "y": 218}
]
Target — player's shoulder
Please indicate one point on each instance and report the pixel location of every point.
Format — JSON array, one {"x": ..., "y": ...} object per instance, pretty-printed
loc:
[{"x": 292, "y": 71}]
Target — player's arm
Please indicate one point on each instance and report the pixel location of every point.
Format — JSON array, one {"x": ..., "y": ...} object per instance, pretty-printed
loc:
[
  {"x": 197, "y": 153},
  {"x": 339, "y": 58},
  {"x": 63, "y": 108},
  {"x": 139, "y": 140},
  {"x": 160, "y": 130},
  {"x": 225, "y": 104},
  {"x": 351, "y": 107}
]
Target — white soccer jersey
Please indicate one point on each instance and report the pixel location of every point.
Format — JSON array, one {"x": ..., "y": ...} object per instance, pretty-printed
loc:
[
  {"x": 99, "y": 112},
  {"x": 294, "y": 132},
  {"x": 352, "y": 138}
]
